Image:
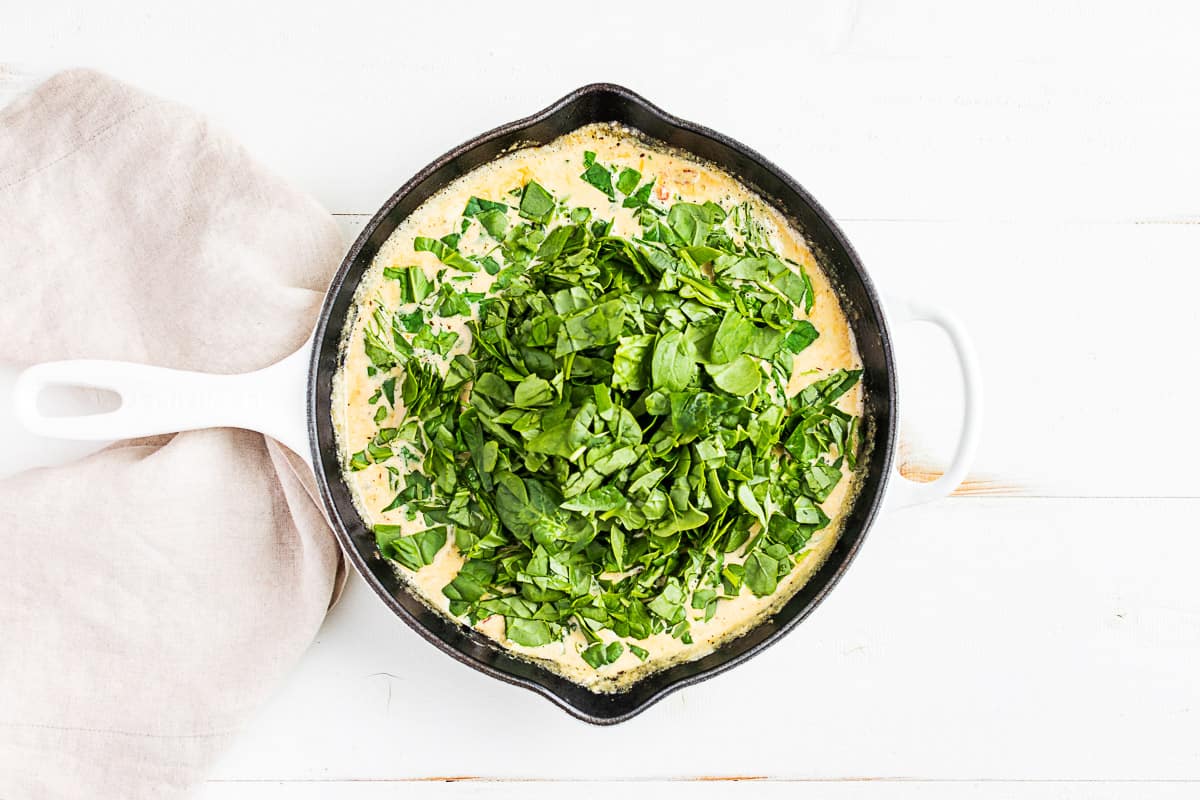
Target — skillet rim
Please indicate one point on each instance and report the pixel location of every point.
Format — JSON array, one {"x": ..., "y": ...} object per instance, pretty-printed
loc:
[{"x": 596, "y": 708}]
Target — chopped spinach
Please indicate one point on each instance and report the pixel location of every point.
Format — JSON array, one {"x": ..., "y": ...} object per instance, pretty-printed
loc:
[{"x": 615, "y": 451}]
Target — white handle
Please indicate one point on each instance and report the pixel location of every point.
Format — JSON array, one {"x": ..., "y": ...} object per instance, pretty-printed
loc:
[
  {"x": 903, "y": 492},
  {"x": 158, "y": 400}
]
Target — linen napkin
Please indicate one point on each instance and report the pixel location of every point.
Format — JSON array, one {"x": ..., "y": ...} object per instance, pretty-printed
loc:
[{"x": 153, "y": 594}]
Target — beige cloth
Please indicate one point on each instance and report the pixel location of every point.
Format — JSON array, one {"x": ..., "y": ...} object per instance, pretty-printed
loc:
[{"x": 153, "y": 594}]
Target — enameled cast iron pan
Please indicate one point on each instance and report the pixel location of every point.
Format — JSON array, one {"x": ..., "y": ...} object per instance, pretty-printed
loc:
[{"x": 290, "y": 401}]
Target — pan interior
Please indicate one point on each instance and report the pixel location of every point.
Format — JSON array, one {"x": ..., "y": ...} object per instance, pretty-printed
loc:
[{"x": 606, "y": 103}]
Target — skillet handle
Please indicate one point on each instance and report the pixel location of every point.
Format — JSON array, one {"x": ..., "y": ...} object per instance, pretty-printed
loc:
[
  {"x": 158, "y": 400},
  {"x": 903, "y": 492}
]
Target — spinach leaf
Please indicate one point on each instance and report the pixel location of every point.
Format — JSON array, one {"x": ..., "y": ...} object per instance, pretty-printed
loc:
[
  {"x": 477, "y": 206},
  {"x": 444, "y": 252},
  {"x": 672, "y": 367},
  {"x": 414, "y": 284},
  {"x": 597, "y": 175},
  {"x": 641, "y": 197},
  {"x": 830, "y": 388},
  {"x": 732, "y": 338},
  {"x": 669, "y": 604},
  {"x": 414, "y": 550},
  {"x": 536, "y": 203},
  {"x": 597, "y": 325},
  {"x": 690, "y": 222},
  {"x": 471, "y": 583},
  {"x": 606, "y": 498},
  {"x": 762, "y": 573},
  {"x": 801, "y": 336},
  {"x": 528, "y": 632},
  {"x": 745, "y": 496},
  {"x": 630, "y": 362},
  {"x": 493, "y": 216},
  {"x": 598, "y": 655},
  {"x": 627, "y": 181},
  {"x": 531, "y": 392},
  {"x": 740, "y": 377}
]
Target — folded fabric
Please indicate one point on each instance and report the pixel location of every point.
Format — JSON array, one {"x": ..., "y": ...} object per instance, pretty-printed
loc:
[{"x": 152, "y": 594}]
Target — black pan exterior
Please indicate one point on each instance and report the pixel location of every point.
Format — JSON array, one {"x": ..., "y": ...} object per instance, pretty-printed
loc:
[{"x": 606, "y": 103}]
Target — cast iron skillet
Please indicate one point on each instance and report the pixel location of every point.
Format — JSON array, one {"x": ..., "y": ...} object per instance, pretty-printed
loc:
[
  {"x": 158, "y": 400},
  {"x": 608, "y": 103}
]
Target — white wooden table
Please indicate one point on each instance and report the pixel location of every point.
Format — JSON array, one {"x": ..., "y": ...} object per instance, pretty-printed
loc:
[{"x": 1033, "y": 165}]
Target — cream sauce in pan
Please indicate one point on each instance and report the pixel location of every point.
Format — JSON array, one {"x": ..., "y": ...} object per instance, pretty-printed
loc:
[{"x": 557, "y": 167}]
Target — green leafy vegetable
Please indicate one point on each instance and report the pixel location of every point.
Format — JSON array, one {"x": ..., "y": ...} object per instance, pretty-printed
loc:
[
  {"x": 673, "y": 367},
  {"x": 762, "y": 573},
  {"x": 732, "y": 338},
  {"x": 528, "y": 632},
  {"x": 599, "y": 655},
  {"x": 627, "y": 181},
  {"x": 741, "y": 376},
  {"x": 597, "y": 175},
  {"x": 413, "y": 551},
  {"x": 492, "y": 216},
  {"x": 615, "y": 452},
  {"x": 536, "y": 203},
  {"x": 444, "y": 252}
]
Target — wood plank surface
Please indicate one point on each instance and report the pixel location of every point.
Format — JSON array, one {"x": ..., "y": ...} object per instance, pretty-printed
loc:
[
  {"x": 975, "y": 638},
  {"x": 701, "y": 790},
  {"x": 1030, "y": 165}
]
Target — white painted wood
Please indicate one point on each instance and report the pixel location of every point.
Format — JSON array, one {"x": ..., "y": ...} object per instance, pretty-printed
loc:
[
  {"x": 975, "y": 638},
  {"x": 999, "y": 158},
  {"x": 716, "y": 790},
  {"x": 885, "y": 109},
  {"x": 1082, "y": 330}
]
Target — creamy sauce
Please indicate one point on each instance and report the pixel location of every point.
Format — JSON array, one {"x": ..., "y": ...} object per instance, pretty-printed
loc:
[{"x": 557, "y": 167}]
